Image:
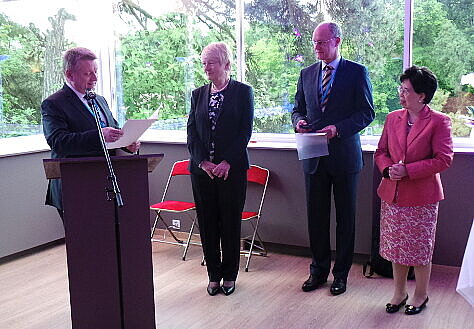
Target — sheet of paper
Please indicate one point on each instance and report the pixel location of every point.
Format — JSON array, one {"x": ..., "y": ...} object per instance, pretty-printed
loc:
[
  {"x": 154, "y": 115},
  {"x": 132, "y": 130},
  {"x": 311, "y": 145}
]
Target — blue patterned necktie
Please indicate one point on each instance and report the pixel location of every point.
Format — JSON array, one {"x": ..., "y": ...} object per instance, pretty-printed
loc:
[
  {"x": 326, "y": 86},
  {"x": 102, "y": 123}
]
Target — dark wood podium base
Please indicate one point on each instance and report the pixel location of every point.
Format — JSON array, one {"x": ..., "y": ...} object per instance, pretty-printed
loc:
[{"x": 109, "y": 288}]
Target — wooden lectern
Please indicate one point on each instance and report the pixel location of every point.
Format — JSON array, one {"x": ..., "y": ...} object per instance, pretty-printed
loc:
[{"x": 109, "y": 266}]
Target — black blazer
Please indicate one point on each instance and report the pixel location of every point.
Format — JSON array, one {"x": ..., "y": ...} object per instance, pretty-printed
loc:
[
  {"x": 70, "y": 130},
  {"x": 233, "y": 128},
  {"x": 349, "y": 107},
  {"x": 69, "y": 127}
]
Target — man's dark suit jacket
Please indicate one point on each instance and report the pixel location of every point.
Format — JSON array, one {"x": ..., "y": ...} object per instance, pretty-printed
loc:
[
  {"x": 349, "y": 108},
  {"x": 70, "y": 130},
  {"x": 233, "y": 129}
]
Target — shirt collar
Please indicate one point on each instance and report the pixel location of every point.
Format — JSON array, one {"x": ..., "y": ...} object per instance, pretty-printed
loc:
[
  {"x": 80, "y": 95},
  {"x": 334, "y": 63}
]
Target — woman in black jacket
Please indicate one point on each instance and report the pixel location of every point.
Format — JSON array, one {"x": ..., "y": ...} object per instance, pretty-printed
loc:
[{"x": 219, "y": 129}]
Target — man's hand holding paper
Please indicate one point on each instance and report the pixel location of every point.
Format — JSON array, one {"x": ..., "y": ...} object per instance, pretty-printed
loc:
[
  {"x": 111, "y": 134},
  {"x": 330, "y": 131},
  {"x": 131, "y": 132}
]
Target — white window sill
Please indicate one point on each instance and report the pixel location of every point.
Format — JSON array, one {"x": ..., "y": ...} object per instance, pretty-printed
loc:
[
  {"x": 23, "y": 145},
  {"x": 284, "y": 141}
]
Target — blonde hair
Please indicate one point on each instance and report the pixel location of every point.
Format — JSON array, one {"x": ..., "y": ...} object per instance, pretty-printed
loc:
[{"x": 219, "y": 50}]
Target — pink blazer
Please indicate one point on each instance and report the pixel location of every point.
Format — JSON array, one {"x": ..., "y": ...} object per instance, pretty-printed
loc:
[{"x": 426, "y": 151}]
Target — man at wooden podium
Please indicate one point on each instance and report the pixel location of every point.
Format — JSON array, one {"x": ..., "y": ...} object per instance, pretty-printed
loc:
[{"x": 69, "y": 124}]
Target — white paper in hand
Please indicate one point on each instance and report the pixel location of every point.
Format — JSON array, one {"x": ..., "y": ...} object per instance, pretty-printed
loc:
[
  {"x": 132, "y": 130},
  {"x": 311, "y": 145}
]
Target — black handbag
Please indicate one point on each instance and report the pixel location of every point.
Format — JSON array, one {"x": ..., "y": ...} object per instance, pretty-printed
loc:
[{"x": 376, "y": 263}]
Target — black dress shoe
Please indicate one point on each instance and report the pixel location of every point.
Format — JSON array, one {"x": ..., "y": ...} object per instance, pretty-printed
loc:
[
  {"x": 338, "y": 286},
  {"x": 213, "y": 290},
  {"x": 228, "y": 290},
  {"x": 313, "y": 283},
  {"x": 392, "y": 308},
  {"x": 410, "y": 309}
]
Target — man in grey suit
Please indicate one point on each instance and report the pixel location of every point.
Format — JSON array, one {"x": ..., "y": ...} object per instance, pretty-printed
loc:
[
  {"x": 334, "y": 96},
  {"x": 69, "y": 124}
]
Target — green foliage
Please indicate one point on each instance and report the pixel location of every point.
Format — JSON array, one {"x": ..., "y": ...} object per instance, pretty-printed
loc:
[
  {"x": 20, "y": 73},
  {"x": 440, "y": 45},
  {"x": 373, "y": 36},
  {"x": 272, "y": 71},
  {"x": 460, "y": 13},
  {"x": 439, "y": 99},
  {"x": 161, "y": 67},
  {"x": 276, "y": 123},
  {"x": 372, "y": 32},
  {"x": 385, "y": 93},
  {"x": 380, "y": 103},
  {"x": 468, "y": 88},
  {"x": 278, "y": 46},
  {"x": 459, "y": 127},
  {"x": 149, "y": 62},
  {"x": 279, "y": 32}
]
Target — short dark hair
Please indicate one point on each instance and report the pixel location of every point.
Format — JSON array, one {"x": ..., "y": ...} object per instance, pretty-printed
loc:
[
  {"x": 74, "y": 55},
  {"x": 422, "y": 80}
]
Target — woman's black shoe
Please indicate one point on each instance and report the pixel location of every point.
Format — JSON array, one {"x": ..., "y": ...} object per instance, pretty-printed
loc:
[
  {"x": 410, "y": 309},
  {"x": 213, "y": 290},
  {"x": 228, "y": 290},
  {"x": 392, "y": 308}
]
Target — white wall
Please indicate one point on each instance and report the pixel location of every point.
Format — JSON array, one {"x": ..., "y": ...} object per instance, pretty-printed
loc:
[{"x": 26, "y": 223}]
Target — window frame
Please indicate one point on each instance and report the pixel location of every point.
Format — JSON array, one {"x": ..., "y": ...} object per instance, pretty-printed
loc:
[{"x": 106, "y": 84}]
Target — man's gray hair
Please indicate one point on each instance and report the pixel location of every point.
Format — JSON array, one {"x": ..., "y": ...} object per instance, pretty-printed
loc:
[
  {"x": 335, "y": 30},
  {"x": 74, "y": 55}
]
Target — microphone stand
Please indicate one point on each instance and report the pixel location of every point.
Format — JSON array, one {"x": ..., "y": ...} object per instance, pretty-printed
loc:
[
  {"x": 115, "y": 191},
  {"x": 111, "y": 194}
]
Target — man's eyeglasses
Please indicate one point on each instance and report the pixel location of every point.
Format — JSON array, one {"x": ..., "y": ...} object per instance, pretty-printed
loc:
[
  {"x": 322, "y": 42},
  {"x": 403, "y": 91}
]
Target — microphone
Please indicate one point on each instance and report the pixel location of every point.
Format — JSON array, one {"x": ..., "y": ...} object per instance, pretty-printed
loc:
[{"x": 90, "y": 95}]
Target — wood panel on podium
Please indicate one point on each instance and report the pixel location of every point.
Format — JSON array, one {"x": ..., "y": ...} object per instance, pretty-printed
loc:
[{"x": 110, "y": 273}]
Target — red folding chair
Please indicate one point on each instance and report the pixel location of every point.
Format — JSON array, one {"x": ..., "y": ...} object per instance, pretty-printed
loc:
[
  {"x": 255, "y": 175},
  {"x": 180, "y": 168}
]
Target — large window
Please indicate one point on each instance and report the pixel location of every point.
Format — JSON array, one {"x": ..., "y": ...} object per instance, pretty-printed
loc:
[
  {"x": 158, "y": 48},
  {"x": 149, "y": 53},
  {"x": 160, "y": 53},
  {"x": 443, "y": 40},
  {"x": 279, "y": 44},
  {"x": 33, "y": 36}
]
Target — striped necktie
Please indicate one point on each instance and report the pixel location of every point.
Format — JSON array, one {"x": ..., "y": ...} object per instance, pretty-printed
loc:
[{"x": 326, "y": 86}]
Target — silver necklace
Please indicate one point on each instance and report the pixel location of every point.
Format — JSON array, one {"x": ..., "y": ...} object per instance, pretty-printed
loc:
[
  {"x": 408, "y": 118},
  {"x": 214, "y": 88}
]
